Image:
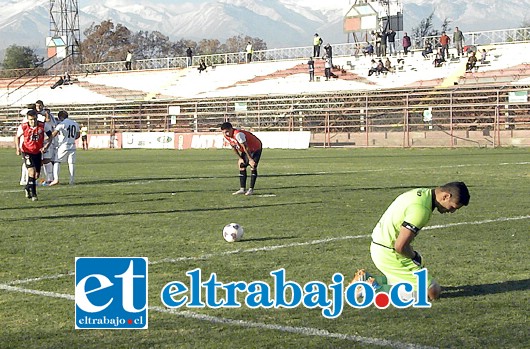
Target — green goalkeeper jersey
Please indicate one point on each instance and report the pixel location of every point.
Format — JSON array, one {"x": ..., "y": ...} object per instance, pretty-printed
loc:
[{"x": 412, "y": 209}]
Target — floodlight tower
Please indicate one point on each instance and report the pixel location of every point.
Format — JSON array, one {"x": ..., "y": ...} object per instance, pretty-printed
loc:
[
  {"x": 64, "y": 29},
  {"x": 391, "y": 14}
]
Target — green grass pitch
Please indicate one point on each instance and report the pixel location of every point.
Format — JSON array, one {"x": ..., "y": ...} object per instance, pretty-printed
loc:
[{"x": 312, "y": 214}]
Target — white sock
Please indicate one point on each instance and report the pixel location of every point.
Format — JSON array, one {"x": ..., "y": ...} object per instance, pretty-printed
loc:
[
  {"x": 48, "y": 172},
  {"x": 24, "y": 174},
  {"x": 56, "y": 170},
  {"x": 71, "y": 168}
]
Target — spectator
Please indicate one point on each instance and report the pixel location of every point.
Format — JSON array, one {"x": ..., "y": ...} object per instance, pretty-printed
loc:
[
  {"x": 471, "y": 62},
  {"x": 391, "y": 36},
  {"x": 444, "y": 41},
  {"x": 128, "y": 60},
  {"x": 381, "y": 67},
  {"x": 189, "y": 56},
  {"x": 406, "y": 43},
  {"x": 427, "y": 50},
  {"x": 327, "y": 67},
  {"x": 67, "y": 79},
  {"x": 438, "y": 59},
  {"x": 368, "y": 49},
  {"x": 329, "y": 53},
  {"x": 202, "y": 66},
  {"x": 58, "y": 83},
  {"x": 311, "y": 66},
  {"x": 484, "y": 57},
  {"x": 373, "y": 68},
  {"x": 458, "y": 39},
  {"x": 317, "y": 42},
  {"x": 249, "y": 51},
  {"x": 112, "y": 139},
  {"x": 388, "y": 65},
  {"x": 384, "y": 37},
  {"x": 378, "y": 39}
]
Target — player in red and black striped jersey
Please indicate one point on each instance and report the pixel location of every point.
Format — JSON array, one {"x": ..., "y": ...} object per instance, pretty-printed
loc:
[
  {"x": 32, "y": 132},
  {"x": 248, "y": 149}
]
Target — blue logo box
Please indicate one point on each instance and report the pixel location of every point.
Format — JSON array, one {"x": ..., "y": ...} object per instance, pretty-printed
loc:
[{"x": 111, "y": 293}]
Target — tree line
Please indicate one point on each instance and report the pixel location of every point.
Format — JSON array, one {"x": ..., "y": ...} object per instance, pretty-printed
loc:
[{"x": 107, "y": 42}]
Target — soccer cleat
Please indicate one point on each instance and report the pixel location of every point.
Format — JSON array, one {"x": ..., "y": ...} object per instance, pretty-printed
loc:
[
  {"x": 249, "y": 192},
  {"x": 53, "y": 183},
  {"x": 360, "y": 275},
  {"x": 72, "y": 182},
  {"x": 34, "y": 198},
  {"x": 239, "y": 192}
]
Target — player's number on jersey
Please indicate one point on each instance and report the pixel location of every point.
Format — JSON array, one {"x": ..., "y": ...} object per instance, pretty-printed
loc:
[{"x": 72, "y": 131}]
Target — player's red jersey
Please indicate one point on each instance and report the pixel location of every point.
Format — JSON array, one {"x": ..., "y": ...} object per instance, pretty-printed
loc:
[
  {"x": 253, "y": 142},
  {"x": 33, "y": 137}
]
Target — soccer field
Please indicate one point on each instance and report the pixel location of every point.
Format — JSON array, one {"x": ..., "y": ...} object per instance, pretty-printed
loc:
[{"x": 312, "y": 213}]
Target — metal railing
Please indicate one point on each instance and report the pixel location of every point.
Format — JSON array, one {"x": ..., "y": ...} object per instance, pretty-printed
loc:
[
  {"x": 463, "y": 116},
  {"x": 492, "y": 37}
]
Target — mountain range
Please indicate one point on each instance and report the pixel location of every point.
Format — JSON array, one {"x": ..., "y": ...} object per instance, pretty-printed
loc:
[{"x": 280, "y": 23}]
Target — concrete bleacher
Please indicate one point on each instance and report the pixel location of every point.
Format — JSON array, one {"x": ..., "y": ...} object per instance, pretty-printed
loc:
[{"x": 508, "y": 64}]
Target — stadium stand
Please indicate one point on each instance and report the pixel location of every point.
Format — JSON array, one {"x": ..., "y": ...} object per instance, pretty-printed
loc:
[{"x": 278, "y": 96}]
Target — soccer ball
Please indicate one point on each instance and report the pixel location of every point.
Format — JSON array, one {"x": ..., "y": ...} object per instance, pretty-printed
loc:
[{"x": 232, "y": 232}]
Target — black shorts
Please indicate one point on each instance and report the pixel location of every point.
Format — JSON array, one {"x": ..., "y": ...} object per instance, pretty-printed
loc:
[
  {"x": 84, "y": 138},
  {"x": 255, "y": 156},
  {"x": 33, "y": 160}
]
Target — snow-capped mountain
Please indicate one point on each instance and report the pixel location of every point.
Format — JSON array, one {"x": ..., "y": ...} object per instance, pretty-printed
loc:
[{"x": 280, "y": 23}]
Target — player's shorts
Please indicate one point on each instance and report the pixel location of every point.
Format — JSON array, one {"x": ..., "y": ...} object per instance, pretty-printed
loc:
[
  {"x": 395, "y": 267},
  {"x": 64, "y": 155},
  {"x": 50, "y": 153},
  {"x": 33, "y": 160},
  {"x": 255, "y": 155}
]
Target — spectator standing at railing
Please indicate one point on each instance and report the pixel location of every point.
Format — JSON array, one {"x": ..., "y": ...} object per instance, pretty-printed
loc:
[
  {"x": 378, "y": 39},
  {"x": 250, "y": 51},
  {"x": 391, "y": 37},
  {"x": 311, "y": 67},
  {"x": 189, "y": 56},
  {"x": 444, "y": 41},
  {"x": 329, "y": 53},
  {"x": 406, "y": 43},
  {"x": 458, "y": 40},
  {"x": 384, "y": 38},
  {"x": 317, "y": 42},
  {"x": 327, "y": 67},
  {"x": 128, "y": 60}
]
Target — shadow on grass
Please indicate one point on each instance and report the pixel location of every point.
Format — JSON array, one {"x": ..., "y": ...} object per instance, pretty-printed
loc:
[
  {"x": 136, "y": 213},
  {"x": 82, "y": 204},
  {"x": 485, "y": 289}
]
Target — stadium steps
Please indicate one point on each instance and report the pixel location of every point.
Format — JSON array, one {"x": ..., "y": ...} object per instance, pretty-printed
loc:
[
  {"x": 302, "y": 68},
  {"x": 118, "y": 93}
]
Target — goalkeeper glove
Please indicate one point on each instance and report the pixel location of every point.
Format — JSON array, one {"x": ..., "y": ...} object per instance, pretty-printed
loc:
[{"x": 418, "y": 259}]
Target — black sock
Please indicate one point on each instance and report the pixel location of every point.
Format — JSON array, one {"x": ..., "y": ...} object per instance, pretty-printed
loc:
[
  {"x": 253, "y": 177},
  {"x": 243, "y": 178},
  {"x": 32, "y": 186}
]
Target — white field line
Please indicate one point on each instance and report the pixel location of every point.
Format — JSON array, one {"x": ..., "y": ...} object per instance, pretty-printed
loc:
[
  {"x": 272, "y": 248},
  {"x": 305, "y": 331}
]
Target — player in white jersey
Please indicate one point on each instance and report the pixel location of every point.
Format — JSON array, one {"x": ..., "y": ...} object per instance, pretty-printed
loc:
[
  {"x": 49, "y": 155},
  {"x": 67, "y": 131}
]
